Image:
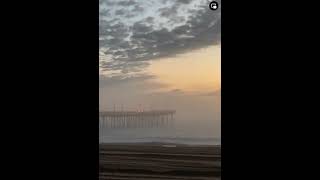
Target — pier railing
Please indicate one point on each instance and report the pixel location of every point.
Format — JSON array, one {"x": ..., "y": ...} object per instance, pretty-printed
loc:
[{"x": 136, "y": 119}]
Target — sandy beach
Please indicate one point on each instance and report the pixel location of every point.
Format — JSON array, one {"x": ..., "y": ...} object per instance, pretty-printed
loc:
[{"x": 157, "y": 161}]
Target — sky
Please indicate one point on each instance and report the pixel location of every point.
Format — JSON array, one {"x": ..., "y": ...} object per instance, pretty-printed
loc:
[{"x": 161, "y": 54}]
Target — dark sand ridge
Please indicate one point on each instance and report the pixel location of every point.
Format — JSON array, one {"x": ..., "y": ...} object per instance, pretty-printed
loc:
[{"x": 158, "y": 161}]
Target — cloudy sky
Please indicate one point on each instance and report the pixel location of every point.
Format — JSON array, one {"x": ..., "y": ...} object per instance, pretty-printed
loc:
[{"x": 160, "y": 54}]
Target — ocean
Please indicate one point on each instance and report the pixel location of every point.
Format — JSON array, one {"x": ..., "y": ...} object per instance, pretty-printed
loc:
[{"x": 180, "y": 135}]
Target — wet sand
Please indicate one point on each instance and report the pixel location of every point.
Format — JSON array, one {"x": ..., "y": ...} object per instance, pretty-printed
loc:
[{"x": 156, "y": 161}]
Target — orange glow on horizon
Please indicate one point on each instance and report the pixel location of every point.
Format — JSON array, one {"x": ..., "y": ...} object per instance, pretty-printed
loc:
[{"x": 198, "y": 70}]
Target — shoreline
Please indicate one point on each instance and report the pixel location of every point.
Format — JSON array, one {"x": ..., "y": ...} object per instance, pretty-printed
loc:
[
  {"x": 159, "y": 161},
  {"x": 156, "y": 143}
]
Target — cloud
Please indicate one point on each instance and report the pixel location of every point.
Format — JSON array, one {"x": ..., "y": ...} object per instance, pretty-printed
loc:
[
  {"x": 183, "y": 1},
  {"x": 166, "y": 31},
  {"x": 127, "y": 3},
  {"x": 120, "y": 12},
  {"x": 168, "y": 11},
  {"x": 105, "y": 81},
  {"x": 176, "y": 90},
  {"x": 137, "y": 8}
]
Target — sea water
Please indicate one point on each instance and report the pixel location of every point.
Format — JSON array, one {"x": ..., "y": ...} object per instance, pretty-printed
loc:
[{"x": 193, "y": 135}]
